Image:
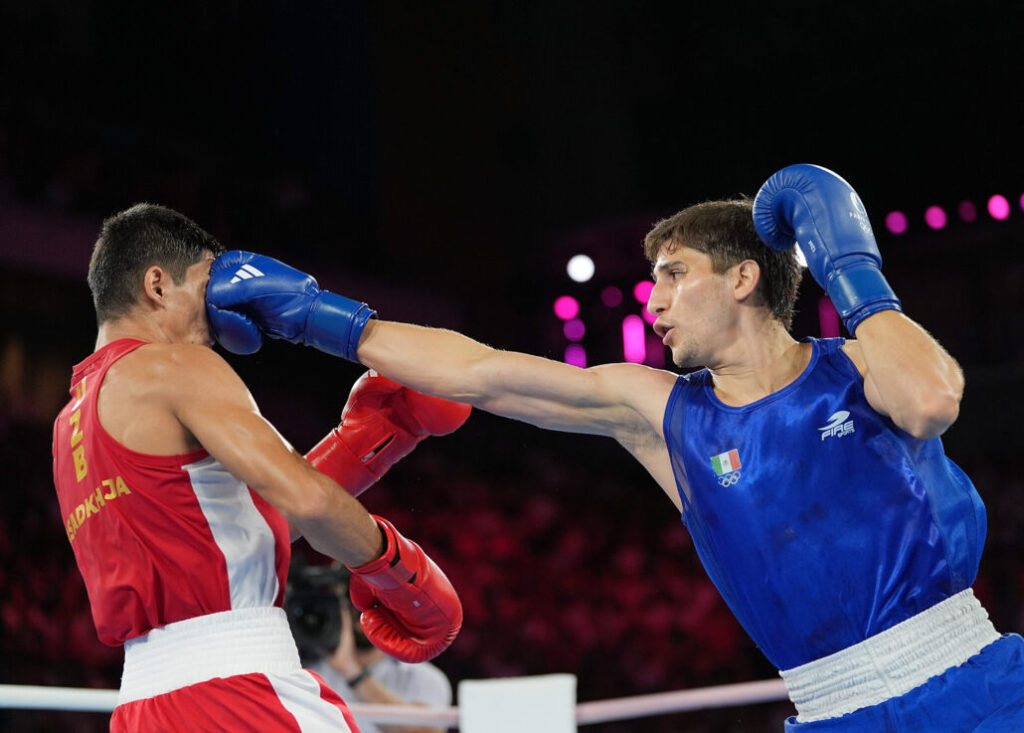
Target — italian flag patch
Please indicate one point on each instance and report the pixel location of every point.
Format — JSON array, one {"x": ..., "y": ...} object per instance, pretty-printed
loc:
[{"x": 726, "y": 462}]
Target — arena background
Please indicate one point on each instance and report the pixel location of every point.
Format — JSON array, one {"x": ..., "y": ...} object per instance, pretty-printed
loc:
[{"x": 443, "y": 162}]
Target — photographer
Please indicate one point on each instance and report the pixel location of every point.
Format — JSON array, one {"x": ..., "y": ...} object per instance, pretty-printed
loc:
[{"x": 332, "y": 644}]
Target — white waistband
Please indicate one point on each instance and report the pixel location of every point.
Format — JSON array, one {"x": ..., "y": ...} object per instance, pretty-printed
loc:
[
  {"x": 245, "y": 641},
  {"x": 892, "y": 662}
]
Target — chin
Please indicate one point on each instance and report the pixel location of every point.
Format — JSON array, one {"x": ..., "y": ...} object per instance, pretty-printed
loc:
[{"x": 686, "y": 362}]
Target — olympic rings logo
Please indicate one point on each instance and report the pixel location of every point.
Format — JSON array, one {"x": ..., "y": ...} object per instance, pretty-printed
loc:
[{"x": 729, "y": 479}]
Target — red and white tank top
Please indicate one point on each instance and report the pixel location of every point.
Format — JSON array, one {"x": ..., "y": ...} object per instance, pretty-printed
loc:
[{"x": 158, "y": 539}]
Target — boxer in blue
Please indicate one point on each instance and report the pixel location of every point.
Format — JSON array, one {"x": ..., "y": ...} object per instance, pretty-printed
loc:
[{"x": 810, "y": 473}]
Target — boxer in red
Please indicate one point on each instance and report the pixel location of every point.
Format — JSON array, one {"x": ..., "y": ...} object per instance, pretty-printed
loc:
[{"x": 179, "y": 500}]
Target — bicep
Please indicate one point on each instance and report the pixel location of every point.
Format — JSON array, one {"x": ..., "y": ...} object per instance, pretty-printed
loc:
[
  {"x": 213, "y": 403},
  {"x": 610, "y": 399}
]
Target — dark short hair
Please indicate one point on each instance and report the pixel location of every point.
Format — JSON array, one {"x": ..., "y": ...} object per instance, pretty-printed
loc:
[
  {"x": 724, "y": 231},
  {"x": 134, "y": 240}
]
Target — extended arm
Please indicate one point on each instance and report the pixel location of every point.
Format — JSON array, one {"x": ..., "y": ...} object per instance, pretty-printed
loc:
[
  {"x": 620, "y": 400},
  {"x": 623, "y": 401},
  {"x": 604, "y": 400}
]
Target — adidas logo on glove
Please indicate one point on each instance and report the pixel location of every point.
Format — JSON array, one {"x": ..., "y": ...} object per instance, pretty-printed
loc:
[{"x": 246, "y": 272}]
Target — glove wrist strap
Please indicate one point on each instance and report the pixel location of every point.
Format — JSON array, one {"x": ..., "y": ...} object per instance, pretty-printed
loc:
[
  {"x": 388, "y": 571},
  {"x": 860, "y": 291},
  {"x": 335, "y": 324}
]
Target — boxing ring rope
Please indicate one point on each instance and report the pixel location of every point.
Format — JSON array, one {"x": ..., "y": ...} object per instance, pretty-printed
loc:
[{"x": 599, "y": 711}]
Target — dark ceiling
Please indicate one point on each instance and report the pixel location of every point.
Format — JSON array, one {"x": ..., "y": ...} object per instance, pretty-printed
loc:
[
  {"x": 433, "y": 132},
  {"x": 443, "y": 160}
]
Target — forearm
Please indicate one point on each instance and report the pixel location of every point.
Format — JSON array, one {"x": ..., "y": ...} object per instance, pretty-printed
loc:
[
  {"x": 917, "y": 382},
  {"x": 432, "y": 360},
  {"x": 352, "y": 543},
  {"x": 317, "y": 508},
  {"x": 533, "y": 389},
  {"x": 453, "y": 366},
  {"x": 334, "y": 523}
]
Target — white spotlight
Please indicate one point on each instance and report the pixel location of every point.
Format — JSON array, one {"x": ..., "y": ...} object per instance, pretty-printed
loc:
[{"x": 580, "y": 268}]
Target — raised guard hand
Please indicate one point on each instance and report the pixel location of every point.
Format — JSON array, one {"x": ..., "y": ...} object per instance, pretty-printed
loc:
[
  {"x": 381, "y": 424},
  {"x": 815, "y": 208}
]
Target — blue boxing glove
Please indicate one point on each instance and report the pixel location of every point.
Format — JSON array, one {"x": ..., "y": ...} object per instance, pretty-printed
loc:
[
  {"x": 818, "y": 210},
  {"x": 250, "y": 295}
]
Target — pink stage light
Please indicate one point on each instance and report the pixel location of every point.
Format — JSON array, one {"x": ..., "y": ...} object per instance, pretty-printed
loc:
[
  {"x": 648, "y": 316},
  {"x": 576, "y": 355},
  {"x": 896, "y": 222},
  {"x": 574, "y": 329},
  {"x": 999, "y": 207},
  {"x": 566, "y": 307},
  {"x": 1022, "y": 202},
  {"x": 828, "y": 318},
  {"x": 967, "y": 211},
  {"x": 935, "y": 217},
  {"x": 642, "y": 291},
  {"x": 611, "y": 296},
  {"x": 655, "y": 351},
  {"x": 633, "y": 347}
]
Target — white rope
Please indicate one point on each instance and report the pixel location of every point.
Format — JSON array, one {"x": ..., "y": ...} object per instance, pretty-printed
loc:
[
  {"x": 641, "y": 706},
  {"x": 57, "y": 698},
  {"x": 600, "y": 711}
]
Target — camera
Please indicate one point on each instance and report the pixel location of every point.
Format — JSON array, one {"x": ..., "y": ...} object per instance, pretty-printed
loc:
[{"x": 312, "y": 602}]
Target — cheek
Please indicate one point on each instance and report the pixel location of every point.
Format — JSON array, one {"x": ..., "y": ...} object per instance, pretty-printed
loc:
[
  {"x": 699, "y": 304},
  {"x": 691, "y": 297}
]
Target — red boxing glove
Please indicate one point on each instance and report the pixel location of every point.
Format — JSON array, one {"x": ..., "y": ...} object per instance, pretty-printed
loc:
[
  {"x": 381, "y": 423},
  {"x": 410, "y": 609}
]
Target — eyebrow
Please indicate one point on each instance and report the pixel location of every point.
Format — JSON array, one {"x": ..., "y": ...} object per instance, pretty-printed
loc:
[{"x": 665, "y": 266}]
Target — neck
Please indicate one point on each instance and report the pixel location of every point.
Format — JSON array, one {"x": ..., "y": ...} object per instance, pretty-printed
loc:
[
  {"x": 758, "y": 364},
  {"x": 139, "y": 327}
]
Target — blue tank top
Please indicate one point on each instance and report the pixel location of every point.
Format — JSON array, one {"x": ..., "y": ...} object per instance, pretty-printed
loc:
[{"x": 820, "y": 521}]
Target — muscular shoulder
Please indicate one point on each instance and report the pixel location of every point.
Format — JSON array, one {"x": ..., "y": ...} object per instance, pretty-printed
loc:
[
  {"x": 641, "y": 389},
  {"x": 165, "y": 368},
  {"x": 635, "y": 385},
  {"x": 145, "y": 390}
]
